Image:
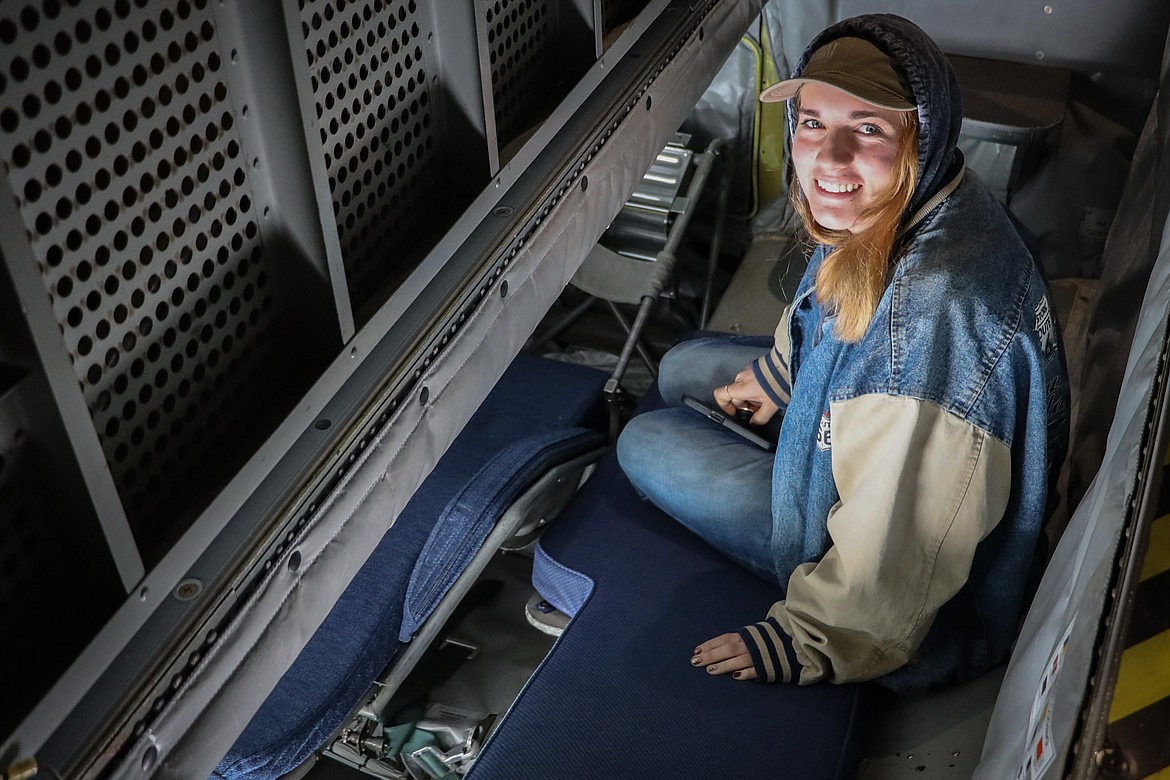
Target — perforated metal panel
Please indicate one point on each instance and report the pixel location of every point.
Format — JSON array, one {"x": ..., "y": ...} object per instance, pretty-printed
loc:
[
  {"x": 121, "y": 145},
  {"x": 372, "y": 98},
  {"x": 520, "y": 56}
]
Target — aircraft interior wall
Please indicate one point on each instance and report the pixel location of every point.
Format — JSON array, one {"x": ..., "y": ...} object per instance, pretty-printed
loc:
[
  {"x": 237, "y": 236},
  {"x": 254, "y": 257}
]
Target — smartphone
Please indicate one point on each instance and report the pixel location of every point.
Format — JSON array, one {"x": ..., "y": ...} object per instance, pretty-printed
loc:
[{"x": 730, "y": 423}]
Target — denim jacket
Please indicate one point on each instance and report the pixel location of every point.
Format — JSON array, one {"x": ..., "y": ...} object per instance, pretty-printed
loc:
[{"x": 914, "y": 468}]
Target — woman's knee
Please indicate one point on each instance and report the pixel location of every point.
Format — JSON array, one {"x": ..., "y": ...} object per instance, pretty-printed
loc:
[
  {"x": 675, "y": 372},
  {"x": 698, "y": 366},
  {"x": 637, "y": 446},
  {"x": 654, "y": 447}
]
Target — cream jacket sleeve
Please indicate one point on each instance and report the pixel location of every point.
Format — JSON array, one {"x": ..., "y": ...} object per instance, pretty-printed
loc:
[
  {"x": 919, "y": 489},
  {"x": 771, "y": 370}
]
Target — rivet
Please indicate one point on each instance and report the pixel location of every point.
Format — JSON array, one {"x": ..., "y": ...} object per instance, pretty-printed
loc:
[
  {"x": 188, "y": 589},
  {"x": 149, "y": 758},
  {"x": 424, "y": 396},
  {"x": 502, "y": 211},
  {"x": 1048, "y": 9}
]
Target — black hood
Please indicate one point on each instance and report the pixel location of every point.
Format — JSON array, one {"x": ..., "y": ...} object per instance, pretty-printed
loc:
[{"x": 933, "y": 82}]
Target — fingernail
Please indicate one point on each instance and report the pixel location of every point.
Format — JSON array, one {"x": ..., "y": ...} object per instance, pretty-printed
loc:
[
  {"x": 698, "y": 650},
  {"x": 737, "y": 675},
  {"x": 711, "y": 669},
  {"x": 696, "y": 661}
]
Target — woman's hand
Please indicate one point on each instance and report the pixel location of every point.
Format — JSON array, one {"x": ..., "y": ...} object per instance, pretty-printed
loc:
[
  {"x": 745, "y": 393},
  {"x": 725, "y": 654}
]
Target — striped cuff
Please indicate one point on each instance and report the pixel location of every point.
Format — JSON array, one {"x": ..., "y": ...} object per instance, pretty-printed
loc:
[
  {"x": 771, "y": 652},
  {"x": 772, "y": 373}
]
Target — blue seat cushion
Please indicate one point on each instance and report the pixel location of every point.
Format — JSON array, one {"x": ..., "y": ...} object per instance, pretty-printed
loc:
[
  {"x": 473, "y": 511},
  {"x": 361, "y": 634},
  {"x": 617, "y": 696}
]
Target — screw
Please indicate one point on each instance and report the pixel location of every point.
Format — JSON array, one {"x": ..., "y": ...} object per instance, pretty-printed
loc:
[{"x": 188, "y": 589}]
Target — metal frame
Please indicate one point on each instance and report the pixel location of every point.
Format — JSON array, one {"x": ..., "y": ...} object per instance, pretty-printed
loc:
[
  {"x": 1092, "y": 756},
  {"x": 539, "y": 504}
]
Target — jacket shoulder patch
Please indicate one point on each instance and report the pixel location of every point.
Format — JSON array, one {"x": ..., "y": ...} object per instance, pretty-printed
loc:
[{"x": 824, "y": 432}]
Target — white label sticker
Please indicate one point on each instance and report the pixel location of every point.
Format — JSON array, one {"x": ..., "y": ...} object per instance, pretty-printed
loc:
[
  {"x": 1040, "y": 748},
  {"x": 1048, "y": 680},
  {"x": 446, "y": 713}
]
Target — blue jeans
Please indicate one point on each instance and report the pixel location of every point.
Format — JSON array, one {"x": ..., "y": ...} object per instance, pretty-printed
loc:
[{"x": 709, "y": 479}]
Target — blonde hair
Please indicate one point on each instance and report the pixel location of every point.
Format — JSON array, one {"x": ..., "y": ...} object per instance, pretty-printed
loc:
[{"x": 851, "y": 280}]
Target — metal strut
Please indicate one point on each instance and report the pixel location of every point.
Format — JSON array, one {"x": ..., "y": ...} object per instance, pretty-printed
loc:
[{"x": 663, "y": 273}]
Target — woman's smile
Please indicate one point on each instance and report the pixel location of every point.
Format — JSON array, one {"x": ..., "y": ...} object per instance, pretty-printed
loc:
[{"x": 837, "y": 188}]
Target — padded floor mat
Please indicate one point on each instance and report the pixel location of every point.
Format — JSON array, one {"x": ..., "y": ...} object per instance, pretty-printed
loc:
[{"x": 617, "y": 696}]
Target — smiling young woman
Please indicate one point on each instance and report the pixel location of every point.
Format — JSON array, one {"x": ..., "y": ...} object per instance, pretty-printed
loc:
[
  {"x": 856, "y": 166},
  {"x": 924, "y": 401}
]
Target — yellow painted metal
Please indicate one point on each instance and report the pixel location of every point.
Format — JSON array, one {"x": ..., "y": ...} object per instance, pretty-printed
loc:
[
  {"x": 1143, "y": 678},
  {"x": 1158, "y": 550},
  {"x": 772, "y": 121}
]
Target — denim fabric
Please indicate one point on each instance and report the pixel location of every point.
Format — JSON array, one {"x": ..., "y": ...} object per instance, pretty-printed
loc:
[
  {"x": 671, "y": 454},
  {"x": 697, "y": 366},
  {"x": 360, "y": 634},
  {"x": 566, "y": 589},
  {"x": 473, "y": 512},
  {"x": 965, "y": 323}
]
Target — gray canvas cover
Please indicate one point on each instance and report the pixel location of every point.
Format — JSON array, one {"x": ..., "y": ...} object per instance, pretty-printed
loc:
[{"x": 1044, "y": 691}]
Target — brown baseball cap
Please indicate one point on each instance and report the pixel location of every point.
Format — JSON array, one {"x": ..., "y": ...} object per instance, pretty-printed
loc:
[{"x": 856, "y": 66}]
